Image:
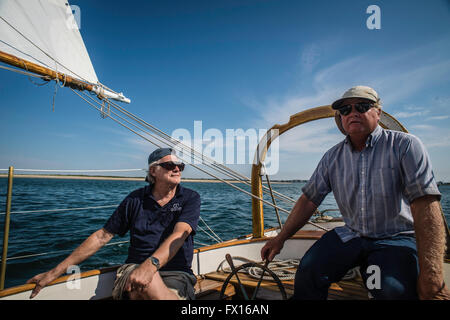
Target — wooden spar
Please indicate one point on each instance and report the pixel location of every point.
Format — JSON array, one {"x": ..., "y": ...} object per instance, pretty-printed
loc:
[
  {"x": 6, "y": 227},
  {"x": 295, "y": 120},
  {"x": 67, "y": 80}
]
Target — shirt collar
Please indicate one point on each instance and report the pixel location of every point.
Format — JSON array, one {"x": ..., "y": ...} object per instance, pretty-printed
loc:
[
  {"x": 371, "y": 139},
  {"x": 374, "y": 136},
  {"x": 178, "y": 193}
]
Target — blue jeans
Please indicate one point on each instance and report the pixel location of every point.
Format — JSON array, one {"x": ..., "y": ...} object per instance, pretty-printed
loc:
[{"x": 329, "y": 259}]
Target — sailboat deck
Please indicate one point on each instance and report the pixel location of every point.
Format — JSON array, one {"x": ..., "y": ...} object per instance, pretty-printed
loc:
[{"x": 343, "y": 290}]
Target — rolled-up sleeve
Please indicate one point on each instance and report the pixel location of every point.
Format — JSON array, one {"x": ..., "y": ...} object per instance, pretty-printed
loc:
[
  {"x": 318, "y": 186},
  {"x": 417, "y": 171},
  {"x": 191, "y": 211}
]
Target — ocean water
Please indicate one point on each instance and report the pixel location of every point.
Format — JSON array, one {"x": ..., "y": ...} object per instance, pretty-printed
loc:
[{"x": 38, "y": 241}]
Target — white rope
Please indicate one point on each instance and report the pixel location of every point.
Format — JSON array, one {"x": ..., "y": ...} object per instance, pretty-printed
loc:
[
  {"x": 176, "y": 144},
  {"x": 220, "y": 240},
  {"x": 197, "y": 167},
  {"x": 207, "y": 233},
  {"x": 284, "y": 269},
  {"x": 59, "y": 251},
  {"x": 26, "y": 73},
  {"x": 200, "y": 243}
]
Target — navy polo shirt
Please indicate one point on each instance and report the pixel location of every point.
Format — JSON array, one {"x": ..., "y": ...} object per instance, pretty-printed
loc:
[{"x": 150, "y": 224}]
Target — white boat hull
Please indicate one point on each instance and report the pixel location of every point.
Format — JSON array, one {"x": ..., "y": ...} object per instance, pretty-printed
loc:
[{"x": 98, "y": 284}]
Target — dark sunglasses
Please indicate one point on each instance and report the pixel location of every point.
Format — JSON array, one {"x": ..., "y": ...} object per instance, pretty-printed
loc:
[
  {"x": 361, "y": 107},
  {"x": 170, "y": 165}
]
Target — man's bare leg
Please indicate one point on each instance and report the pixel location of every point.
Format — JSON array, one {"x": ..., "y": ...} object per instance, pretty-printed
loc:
[{"x": 156, "y": 290}]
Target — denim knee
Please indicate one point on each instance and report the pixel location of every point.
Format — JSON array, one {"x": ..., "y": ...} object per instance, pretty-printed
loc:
[
  {"x": 393, "y": 289},
  {"x": 309, "y": 284}
]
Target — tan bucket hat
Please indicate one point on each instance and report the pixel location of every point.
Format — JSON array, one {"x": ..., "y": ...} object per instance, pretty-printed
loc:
[
  {"x": 357, "y": 92},
  {"x": 354, "y": 92}
]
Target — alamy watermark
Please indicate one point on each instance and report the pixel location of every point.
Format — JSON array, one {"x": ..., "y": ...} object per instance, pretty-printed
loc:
[
  {"x": 234, "y": 146},
  {"x": 73, "y": 282},
  {"x": 374, "y": 280},
  {"x": 73, "y": 20},
  {"x": 374, "y": 20}
]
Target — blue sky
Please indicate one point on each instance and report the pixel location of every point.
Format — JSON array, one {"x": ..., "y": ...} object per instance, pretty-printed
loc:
[{"x": 236, "y": 64}]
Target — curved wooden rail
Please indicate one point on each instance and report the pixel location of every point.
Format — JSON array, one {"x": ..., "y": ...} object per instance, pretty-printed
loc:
[{"x": 386, "y": 121}]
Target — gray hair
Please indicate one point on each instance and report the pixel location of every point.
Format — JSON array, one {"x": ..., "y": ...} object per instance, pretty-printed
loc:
[
  {"x": 378, "y": 105},
  {"x": 151, "y": 178}
]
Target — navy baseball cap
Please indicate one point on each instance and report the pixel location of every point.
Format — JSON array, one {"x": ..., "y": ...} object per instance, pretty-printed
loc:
[{"x": 158, "y": 154}]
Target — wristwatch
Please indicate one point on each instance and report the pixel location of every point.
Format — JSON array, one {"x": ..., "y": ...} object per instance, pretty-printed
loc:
[{"x": 155, "y": 262}]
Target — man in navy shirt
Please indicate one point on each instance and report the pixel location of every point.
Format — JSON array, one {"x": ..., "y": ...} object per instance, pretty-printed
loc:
[{"x": 162, "y": 219}]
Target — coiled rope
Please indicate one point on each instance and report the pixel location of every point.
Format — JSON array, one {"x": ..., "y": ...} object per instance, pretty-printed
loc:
[{"x": 284, "y": 269}]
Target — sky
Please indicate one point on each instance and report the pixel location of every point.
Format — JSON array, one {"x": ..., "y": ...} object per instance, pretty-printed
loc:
[{"x": 245, "y": 64}]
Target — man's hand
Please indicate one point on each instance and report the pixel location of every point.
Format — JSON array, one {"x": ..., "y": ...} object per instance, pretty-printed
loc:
[
  {"x": 41, "y": 280},
  {"x": 271, "y": 249},
  {"x": 89, "y": 246},
  {"x": 140, "y": 277},
  {"x": 299, "y": 216}
]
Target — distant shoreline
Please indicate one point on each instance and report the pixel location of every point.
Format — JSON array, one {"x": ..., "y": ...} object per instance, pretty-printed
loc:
[{"x": 84, "y": 177}]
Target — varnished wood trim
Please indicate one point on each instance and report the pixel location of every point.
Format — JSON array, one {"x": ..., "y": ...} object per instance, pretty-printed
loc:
[
  {"x": 302, "y": 234},
  {"x": 27, "y": 287}
]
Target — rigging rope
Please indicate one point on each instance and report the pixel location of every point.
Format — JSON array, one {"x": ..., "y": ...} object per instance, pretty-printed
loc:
[
  {"x": 215, "y": 235},
  {"x": 179, "y": 144},
  {"x": 219, "y": 166},
  {"x": 59, "y": 251},
  {"x": 195, "y": 166},
  {"x": 26, "y": 73},
  {"x": 206, "y": 232}
]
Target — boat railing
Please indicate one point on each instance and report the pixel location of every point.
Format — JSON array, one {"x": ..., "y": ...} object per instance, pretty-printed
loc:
[{"x": 206, "y": 229}]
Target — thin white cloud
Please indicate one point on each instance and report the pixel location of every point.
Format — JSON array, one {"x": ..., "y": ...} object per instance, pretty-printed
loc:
[
  {"x": 438, "y": 117},
  {"x": 422, "y": 127},
  {"x": 400, "y": 115},
  {"x": 397, "y": 78}
]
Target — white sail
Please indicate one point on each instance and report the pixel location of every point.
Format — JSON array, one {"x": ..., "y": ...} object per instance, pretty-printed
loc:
[{"x": 44, "y": 32}]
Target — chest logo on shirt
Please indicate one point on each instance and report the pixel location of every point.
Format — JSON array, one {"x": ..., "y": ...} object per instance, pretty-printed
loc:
[{"x": 176, "y": 207}]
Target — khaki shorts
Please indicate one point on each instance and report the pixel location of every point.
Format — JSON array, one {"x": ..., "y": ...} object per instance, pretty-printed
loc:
[{"x": 181, "y": 283}]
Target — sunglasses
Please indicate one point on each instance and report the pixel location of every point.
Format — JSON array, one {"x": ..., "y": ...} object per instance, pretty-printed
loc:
[
  {"x": 361, "y": 107},
  {"x": 170, "y": 165}
]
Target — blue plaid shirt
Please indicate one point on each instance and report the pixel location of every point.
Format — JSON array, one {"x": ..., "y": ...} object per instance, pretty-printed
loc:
[{"x": 373, "y": 188}]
